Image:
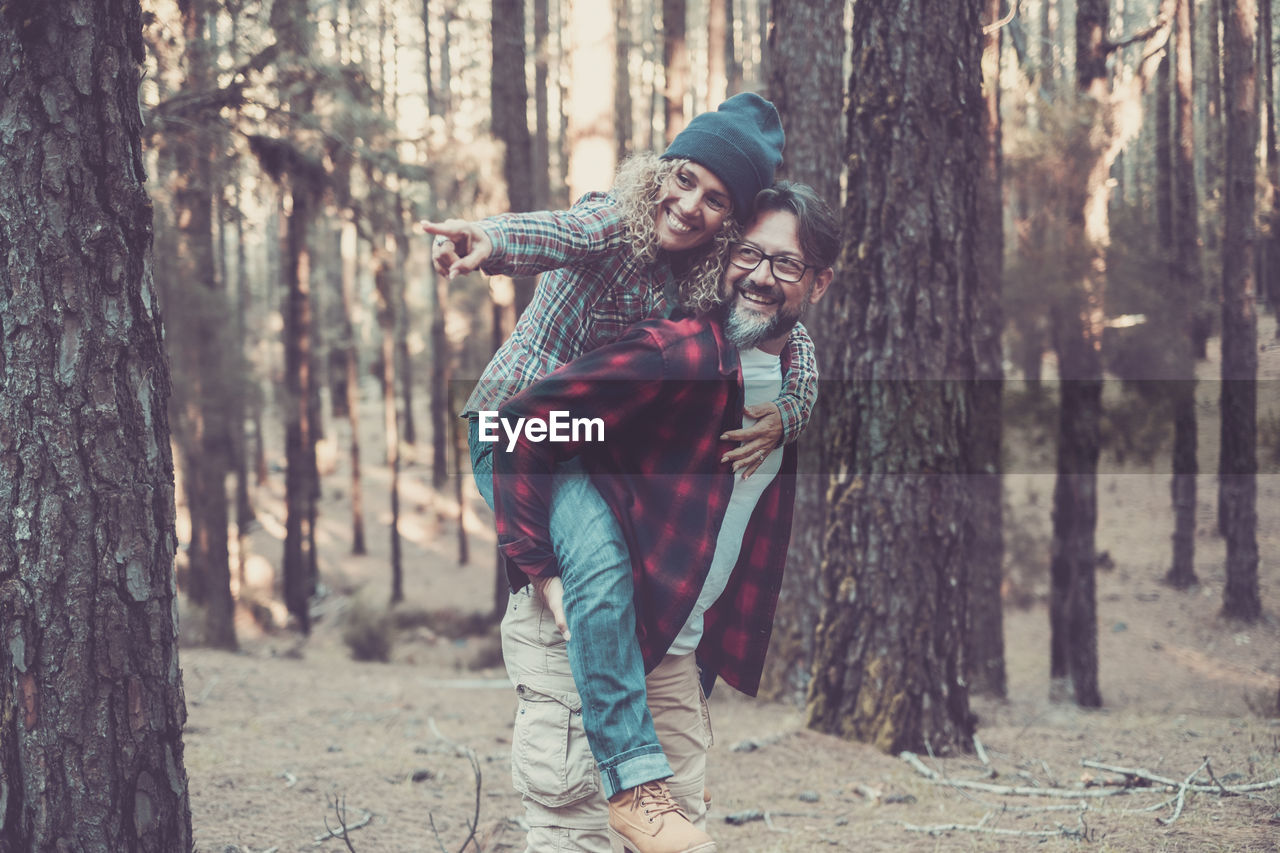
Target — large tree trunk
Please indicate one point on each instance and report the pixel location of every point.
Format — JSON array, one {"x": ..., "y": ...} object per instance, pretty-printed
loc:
[
  {"x": 1239, "y": 464},
  {"x": 984, "y": 648},
  {"x": 806, "y": 68},
  {"x": 888, "y": 667},
  {"x": 91, "y": 707}
]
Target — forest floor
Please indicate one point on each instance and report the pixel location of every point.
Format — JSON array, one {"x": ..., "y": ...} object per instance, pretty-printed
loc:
[{"x": 286, "y": 729}]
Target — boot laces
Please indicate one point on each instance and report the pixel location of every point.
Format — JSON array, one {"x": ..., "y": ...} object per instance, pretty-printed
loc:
[{"x": 655, "y": 798}]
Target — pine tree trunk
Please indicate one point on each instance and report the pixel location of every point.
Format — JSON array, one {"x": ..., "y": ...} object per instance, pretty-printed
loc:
[
  {"x": 1239, "y": 405},
  {"x": 385, "y": 282},
  {"x": 1189, "y": 290},
  {"x": 622, "y": 125},
  {"x": 984, "y": 647},
  {"x": 301, "y": 474},
  {"x": 1202, "y": 328},
  {"x": 1077, "y": 323},
  {"x": 807, "y": 79},
  {"x": 198, "y": 313},
  {"x": 541, "y": 176},
  {"x": 675, "y": 59},
  {"x": 888, "y": 666},
  {"x": 351, "y": 387},
  {"x": 717, "y": 70},
  {"x": 91, "y": 706}
]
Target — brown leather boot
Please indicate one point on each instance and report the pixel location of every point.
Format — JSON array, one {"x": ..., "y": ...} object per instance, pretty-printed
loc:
[{"x": 647, "y": 819}]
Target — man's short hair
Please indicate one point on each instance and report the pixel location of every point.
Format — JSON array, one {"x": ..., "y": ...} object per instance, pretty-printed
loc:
[{"x": 817, "y": 224}]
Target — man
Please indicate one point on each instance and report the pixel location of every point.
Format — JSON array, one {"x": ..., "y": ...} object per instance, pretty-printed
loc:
[{"x": 707, "y": 547}]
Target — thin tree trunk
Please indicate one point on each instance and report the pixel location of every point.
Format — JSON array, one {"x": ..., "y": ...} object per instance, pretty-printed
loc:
[
  {"x": 1239, "y": 463},
  {"x": 717, "y": 70},
  {"x": 1188, "y": 287},
  {"x": 351, "y": 387},
  {"x": 542, "y": 133},
  {"x": 385, "y": 281},
  {"x": 622, "y": 125},
  {"x": 984, "y": 646},
  {"x": 91, "y": 704},
  {"x": 675, "y": 59}
]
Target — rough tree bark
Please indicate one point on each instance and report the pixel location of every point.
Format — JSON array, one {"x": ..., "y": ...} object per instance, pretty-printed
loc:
[
  {"x": 806, "y": 84},
  {"x": 91, "y": 707},
  {"x": 888, "y": 666}
]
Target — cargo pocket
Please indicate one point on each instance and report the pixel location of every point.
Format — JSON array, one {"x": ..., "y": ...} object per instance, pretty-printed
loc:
[{"x": 551, "y": 762}]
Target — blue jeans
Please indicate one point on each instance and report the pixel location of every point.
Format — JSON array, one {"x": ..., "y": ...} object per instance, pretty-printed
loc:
[{"x": 599, "y": 605}]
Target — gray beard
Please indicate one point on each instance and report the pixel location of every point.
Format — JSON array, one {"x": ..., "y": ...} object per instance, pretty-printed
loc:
[{"x": 746, "y": 329}]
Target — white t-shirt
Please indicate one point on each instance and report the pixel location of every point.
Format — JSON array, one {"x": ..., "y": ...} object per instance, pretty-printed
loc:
[{"x": 761, "y": 383}]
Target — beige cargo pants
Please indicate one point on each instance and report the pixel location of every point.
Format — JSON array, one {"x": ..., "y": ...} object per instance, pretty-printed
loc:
[{"x": 551, "y": 763}]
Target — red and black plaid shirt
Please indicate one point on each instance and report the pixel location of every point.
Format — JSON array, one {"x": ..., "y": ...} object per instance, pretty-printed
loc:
[{"x": 666, "y": 391}]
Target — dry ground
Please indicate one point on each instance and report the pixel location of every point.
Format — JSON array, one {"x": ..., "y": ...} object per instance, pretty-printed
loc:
[{"x": 284, "y": 729}]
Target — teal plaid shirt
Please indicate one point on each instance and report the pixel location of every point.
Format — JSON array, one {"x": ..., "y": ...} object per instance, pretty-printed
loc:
[{"x": 592, "y": 290}]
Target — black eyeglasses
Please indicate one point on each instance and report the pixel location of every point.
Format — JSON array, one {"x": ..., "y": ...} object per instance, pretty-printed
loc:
[{"x": 748, "y": 257}]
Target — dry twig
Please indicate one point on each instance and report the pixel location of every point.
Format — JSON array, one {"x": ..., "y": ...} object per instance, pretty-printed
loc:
[
  {"x": 339, "y": 806},
  {"x": 470, "y": 755}
]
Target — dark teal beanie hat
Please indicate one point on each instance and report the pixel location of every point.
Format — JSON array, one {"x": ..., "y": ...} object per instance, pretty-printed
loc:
[{"x": 741, "y": 142}]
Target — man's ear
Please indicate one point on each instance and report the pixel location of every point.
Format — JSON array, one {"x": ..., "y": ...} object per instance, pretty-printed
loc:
[{"x": 820, "y": 284}]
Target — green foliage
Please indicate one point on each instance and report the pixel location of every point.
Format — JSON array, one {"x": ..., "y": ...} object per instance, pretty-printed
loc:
[{"x": 369, "y": 632}]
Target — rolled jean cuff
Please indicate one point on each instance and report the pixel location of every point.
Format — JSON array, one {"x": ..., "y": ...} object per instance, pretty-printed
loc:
[{"x": 634, "y": 768}]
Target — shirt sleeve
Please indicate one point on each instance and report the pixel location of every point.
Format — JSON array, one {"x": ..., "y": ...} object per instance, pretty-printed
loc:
[
  {"x": 799, "y": 385},
  {"x": 532, "y": 243},
  {"x": 616, "y": 384}
]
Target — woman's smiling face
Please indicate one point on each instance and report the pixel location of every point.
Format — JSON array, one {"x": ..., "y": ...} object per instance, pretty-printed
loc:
[{"x": 692, "y": 206}]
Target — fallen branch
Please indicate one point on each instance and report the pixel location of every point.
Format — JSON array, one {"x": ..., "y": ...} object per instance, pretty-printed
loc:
[
  {"x": 981, "y": 827},
  {"x": 1009, "y": 790},
  {"x": 1225, "y": 790}
]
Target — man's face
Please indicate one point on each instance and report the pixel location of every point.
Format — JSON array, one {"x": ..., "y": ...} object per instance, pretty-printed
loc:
[{"x": 762, "y": 309}]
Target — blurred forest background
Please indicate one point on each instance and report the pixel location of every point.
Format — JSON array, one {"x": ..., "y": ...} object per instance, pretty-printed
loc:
[{"x": 1057, "y": 215}]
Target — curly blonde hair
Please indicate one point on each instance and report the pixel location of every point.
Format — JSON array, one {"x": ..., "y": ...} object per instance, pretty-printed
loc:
[{"x": 636, "y": 188}]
